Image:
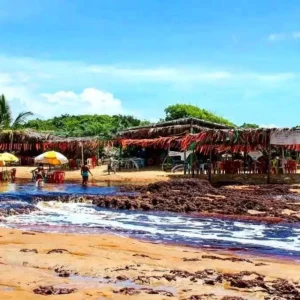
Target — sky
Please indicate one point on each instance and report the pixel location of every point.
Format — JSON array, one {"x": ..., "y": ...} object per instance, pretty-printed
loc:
[{"x": 237, "y": 58}]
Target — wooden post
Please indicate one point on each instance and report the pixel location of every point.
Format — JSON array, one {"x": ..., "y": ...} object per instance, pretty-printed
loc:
[
  {"x": 245, "y": 158},
  {"x": 210, "y": 164},
  {"x": 82, "y": 154},
  {"x": 120, "y": 157},
  {"x": 184, "y": 157},
  {"x": 192, "y": 157},
  {"x": 282, "y": 160},
  {"x": 269, "y": 161},
  {"x": 192, "y": 163}
]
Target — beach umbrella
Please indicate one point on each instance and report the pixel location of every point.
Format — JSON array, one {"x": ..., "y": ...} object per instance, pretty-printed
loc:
[
  {"x": 8, "y": 157},
  {"x": 51, "y": 158}
]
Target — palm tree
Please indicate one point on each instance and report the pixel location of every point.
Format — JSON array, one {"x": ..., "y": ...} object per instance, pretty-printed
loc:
[{"x": 6, "y": 119}]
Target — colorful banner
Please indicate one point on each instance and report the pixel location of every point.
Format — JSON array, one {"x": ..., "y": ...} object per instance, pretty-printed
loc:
[{"x": 285, "y": 137}]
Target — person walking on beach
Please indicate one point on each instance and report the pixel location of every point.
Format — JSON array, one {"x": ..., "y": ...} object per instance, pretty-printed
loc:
[
  {"x": 110, "y": 166},
  {"x": 85, "y": 171}
]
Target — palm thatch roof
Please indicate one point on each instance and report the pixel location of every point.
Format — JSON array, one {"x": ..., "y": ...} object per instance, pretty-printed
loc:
[
  {"x": 170, "y": 128},
  {"x": 32, "y": 136},
  {"x": 220, "y": 140},
  {"x": 27, "y": 140}
]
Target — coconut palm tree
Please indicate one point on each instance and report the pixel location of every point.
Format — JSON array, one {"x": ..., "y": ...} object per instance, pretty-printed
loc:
[{"x": 6, "y": 119}]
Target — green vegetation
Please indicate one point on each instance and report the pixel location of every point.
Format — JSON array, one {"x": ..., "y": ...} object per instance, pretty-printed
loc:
[
  {"x": 100, "y": 125},
  {"x": 106, "y": 126},
  {"x": 249, "y": 125},
  {"x": 6, "y": 119},
  {"x": 85, "y": 125},
  {"x": 178, "y": 111}
]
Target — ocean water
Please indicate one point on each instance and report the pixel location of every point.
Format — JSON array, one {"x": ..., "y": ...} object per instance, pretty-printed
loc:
[{"x": 159, "y": 227}]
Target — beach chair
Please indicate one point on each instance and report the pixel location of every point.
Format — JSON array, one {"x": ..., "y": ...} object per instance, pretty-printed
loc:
[
  {"x": 291, "y": 166},
  {"x": 58, "y": 177}
]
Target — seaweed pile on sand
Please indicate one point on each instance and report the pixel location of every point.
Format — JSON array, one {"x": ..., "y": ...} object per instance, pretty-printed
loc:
[{"x": 199, "y": 197}]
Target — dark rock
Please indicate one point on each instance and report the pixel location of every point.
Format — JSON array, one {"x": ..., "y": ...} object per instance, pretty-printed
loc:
[
  {"x": 128, "y": 291},
  {"x": 191, "y": 259},
  {"x": 209, "y": 282},
  {"x": 29, "y": 251},
  {"x": 233, "y": 259},
  {"x": 50, "y": 290},
  {"x": 122, "y": 278},
  {"x": 169, "y": 277},
  {"x": 60, "y": 251},
  {"x": 28, "y": 233}
]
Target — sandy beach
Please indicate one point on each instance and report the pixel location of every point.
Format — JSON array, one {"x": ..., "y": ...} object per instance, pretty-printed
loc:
[
  {"x": 104, "y": 265},
  {"x": 39, "y": 265},
  {"x": 100, "y": 174}
]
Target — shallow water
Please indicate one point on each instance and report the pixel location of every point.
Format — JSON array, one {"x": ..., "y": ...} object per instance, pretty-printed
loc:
[{"x": 160, "y": 227}]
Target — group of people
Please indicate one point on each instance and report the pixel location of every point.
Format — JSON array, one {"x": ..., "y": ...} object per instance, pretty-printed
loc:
[{"x": 39, "y": 172}]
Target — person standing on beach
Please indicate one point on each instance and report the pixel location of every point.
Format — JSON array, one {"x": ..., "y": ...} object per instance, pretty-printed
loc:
[
  {"x": 110, "y": 166},
  {"x": 85, "y": 171}
]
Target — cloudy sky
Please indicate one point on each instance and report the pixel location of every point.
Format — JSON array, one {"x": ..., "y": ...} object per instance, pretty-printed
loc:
[{"x": 239, "y": 59}]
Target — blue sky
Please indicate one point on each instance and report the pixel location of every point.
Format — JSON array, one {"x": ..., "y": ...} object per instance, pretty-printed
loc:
[{"x": 237, "y": 58}]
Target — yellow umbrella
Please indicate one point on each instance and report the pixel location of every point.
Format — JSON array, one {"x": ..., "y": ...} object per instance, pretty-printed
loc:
[
  {"x": 8, "y": 157},
  {"x": 51, "y": 158}
]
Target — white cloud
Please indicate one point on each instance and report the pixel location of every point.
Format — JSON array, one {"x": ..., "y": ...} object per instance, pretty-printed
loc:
[
  {"x": 90, "y": 101},
  {"x": 269, "y": 126},
  {"x": 51, "y": 87},
  {"x": 275, "y": 37}
]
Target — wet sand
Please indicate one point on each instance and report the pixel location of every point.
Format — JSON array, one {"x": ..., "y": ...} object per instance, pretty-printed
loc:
[
  {"x": 100, "y": 174},
  {"x": 127, "y": 263}
]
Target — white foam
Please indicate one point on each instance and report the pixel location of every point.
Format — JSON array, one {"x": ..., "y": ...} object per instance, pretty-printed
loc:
[{"x": 160, "y": 226}]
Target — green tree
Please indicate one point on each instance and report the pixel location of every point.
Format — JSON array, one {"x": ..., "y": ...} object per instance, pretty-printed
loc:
[
  {"x": 178, "y": 111},
  {"x": 85, "y": 125},
  {"x": 6, "y": 119},
  {"x": 249, "y": 125}
]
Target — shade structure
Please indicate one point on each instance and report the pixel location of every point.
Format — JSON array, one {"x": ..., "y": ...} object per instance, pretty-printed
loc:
[
  {"x": 8, "y": 157},
  {"x": 51, "y": 158}
]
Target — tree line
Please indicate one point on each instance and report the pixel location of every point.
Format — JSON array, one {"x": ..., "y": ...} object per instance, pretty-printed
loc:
[{"x": 100, "y": 125}]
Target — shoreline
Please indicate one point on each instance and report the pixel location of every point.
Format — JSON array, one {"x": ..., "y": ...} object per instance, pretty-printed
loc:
[
  {"x": 140, "y": 263},
  {"x": 239, "y": 250}
]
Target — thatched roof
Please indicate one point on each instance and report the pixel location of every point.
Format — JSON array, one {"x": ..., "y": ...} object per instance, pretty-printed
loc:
[
  {"x": 219, "y": 139},
  {"x": 170, "y": 128},
  {"x": 27, "y": 140},
  {"x": 32, "y": 136}
]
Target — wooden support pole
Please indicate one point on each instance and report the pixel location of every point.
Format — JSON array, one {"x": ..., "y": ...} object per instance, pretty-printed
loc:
[
  {"x": 245, "y": 158},
  {"x": 192, "y": 157},
  {"x": 269, "y": 161},
  {"x": 282, "y": 160},
  {"x": 82, "y": 154},
  {"x": 120, "y": 157},
  {"x": 192, "y": 163},
  {"x": 184, "y": 157},
  {"x": 210, "y": 164}
]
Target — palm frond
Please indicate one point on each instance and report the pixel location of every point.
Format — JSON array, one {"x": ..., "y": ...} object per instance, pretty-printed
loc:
[
  {"x": 5, "y": 113},
  {"x": 21, "y": 119}
]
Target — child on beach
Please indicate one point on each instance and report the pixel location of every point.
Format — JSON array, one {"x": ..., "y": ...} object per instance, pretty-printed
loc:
[{"x": 39, "y": 176}]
